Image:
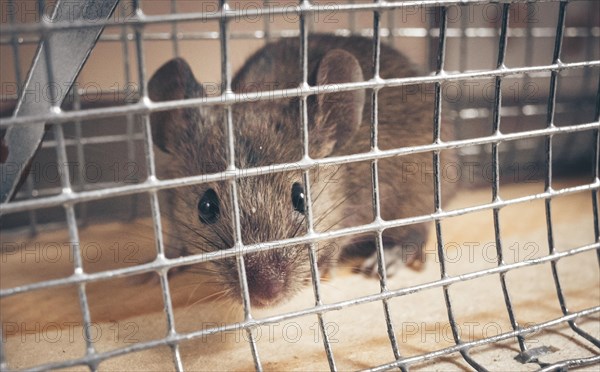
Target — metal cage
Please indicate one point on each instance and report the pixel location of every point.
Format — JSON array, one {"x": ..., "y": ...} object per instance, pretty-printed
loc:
[{"x": 96, "y": 162}]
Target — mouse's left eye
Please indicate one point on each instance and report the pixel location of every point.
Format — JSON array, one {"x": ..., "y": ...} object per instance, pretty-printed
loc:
[
  {"x": 208, "y": 207},
  {"x": 298, "y": 197}
]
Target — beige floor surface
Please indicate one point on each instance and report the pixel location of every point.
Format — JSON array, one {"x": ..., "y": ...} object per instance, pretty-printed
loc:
[{"x": 45, "y": 326}]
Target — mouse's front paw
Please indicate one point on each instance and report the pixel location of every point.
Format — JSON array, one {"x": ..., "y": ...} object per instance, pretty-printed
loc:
[
  {"x": 395, "y": 258},
  {"x": 404, "y": 250}
]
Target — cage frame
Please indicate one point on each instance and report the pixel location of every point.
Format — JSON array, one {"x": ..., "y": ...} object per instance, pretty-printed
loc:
[{"x": 69, "y": 197}]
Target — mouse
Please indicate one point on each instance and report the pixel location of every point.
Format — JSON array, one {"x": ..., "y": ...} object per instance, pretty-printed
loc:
[{"x": 268, "y": 131}]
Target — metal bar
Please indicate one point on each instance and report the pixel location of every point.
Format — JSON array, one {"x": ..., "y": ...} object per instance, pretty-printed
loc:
[
  {"x": 174, "y": 30},
  {"x": 376, "y": 204},
  {"x": 251, "y": 13},
  {"x": 437, "y": 199},
  {"x": 130, "y": 126},
  {"x": 194, "y": 259},
  {"x": 69, "y": 208},
  {"x": 153, "y": 196},
  {"x": 464, "y": 39},
  {"x": 571, "y": 363},
  {"x": 391, "y": 20},
  {"x": 465, "y": 114},
  {"x": 237, "y": 326},
  {"x": 548, "y": 181},
  {"x": 485, "y": 341},
  {"x": 410, "y": 32},
  {"x": 502, "y": 45},
  {"x": 589, "y": 52},
  {"x": 33, "y": 223},
  {"x": 596, "y": 165},
  {"x": 46, "y": 49},
  {"x": 267, "y": 33},
  {"x": 352, "y": 19},
  {"x": 286, "y": 93},
  {"x": 312, "y": 252},
  {"x": 74, "y": 242},
  {"x": 96, "y": 140},
  {"x": 230, "y": 134},
  {"x": 82, "y": 211},
  {"x": 3, "y": 364},
  {"x": 79, "y": 197}
]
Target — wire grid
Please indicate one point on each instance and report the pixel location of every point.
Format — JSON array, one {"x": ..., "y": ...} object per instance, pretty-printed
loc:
[{"x": 69, "y": 197}]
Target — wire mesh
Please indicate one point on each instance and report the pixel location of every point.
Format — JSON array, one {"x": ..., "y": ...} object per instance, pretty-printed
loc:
[{"x": 133, "y": 112}]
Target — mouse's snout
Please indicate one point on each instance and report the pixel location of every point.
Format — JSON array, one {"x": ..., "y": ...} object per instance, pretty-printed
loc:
[
  {"x": 272, "y": 276},
  {"x": 264, "y": 289}
]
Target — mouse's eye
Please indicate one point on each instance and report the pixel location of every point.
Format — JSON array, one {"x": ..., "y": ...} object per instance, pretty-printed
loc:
[
  {"x": 298, "y": 197},
  {"x": 208, "y": 207}
]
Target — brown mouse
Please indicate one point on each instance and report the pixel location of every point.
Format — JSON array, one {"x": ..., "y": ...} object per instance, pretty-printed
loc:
[{"x": 192, "y": 141}]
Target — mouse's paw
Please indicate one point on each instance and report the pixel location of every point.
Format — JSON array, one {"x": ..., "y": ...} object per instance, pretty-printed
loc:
[
  {"x": 395, "y": 257},
  {"x": 401, "y": 248}
]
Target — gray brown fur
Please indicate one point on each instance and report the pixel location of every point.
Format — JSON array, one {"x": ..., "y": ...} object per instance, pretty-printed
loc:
[{"x": 193, "y": 141}]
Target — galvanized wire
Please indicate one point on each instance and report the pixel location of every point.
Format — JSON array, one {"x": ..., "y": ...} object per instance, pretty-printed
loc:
[
  {"x": 253, "y": 13},
  {"x": 144, "y": 108},
  {"x": 496, "y": 170},
  {"x": 69, "y": 198},
  {"x": 548, "y": 181}
]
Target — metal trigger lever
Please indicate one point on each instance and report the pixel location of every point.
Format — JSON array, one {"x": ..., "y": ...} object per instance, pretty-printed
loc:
[{"x": 66, "y": 50}]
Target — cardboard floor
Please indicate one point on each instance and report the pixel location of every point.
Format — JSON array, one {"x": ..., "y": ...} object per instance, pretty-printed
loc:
[{"x": 45, "y": 326}]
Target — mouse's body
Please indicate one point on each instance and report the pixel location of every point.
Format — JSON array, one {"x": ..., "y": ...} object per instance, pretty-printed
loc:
[{"x": 193, "y": 141}]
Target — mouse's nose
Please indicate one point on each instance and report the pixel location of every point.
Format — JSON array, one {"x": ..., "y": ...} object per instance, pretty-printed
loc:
[{"x": 264, "y": 289}]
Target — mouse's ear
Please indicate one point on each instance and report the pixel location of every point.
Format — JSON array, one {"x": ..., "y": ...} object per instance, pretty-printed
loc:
[
  {"x": 337, "y": 115},
  {"x": 174, "y": 80}
]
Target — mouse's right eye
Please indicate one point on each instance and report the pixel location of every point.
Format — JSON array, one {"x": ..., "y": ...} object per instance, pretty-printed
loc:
[
  {"x": 208, "y": 207},
  {"x": 298, "y": 197}
]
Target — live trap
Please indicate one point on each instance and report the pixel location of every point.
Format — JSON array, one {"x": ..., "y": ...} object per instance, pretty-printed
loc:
[{"x": 512, "y": 272}]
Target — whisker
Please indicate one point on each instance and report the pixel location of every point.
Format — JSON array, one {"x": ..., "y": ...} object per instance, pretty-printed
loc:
[
  {"x": 323, "y": 189},
  {"x": 204, "y": 238},
  {"x": 213, "y": 296},
  {"x": 331, "y": 209}
]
